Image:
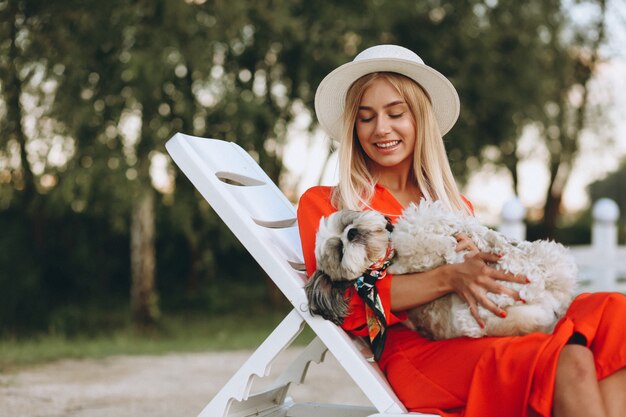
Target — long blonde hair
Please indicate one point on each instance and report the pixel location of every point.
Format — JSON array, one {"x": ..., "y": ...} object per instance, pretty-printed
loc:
[{"x": 431, "y": 168}]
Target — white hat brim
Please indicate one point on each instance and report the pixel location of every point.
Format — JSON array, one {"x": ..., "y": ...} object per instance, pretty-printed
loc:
[{"x": 331, "y": 93}]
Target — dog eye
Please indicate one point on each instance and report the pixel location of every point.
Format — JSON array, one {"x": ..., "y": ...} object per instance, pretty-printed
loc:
[{"x": 352, "y": 233}]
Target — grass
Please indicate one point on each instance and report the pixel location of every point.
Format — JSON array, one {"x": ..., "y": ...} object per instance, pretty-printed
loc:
[{"x": 181, "y": 333}]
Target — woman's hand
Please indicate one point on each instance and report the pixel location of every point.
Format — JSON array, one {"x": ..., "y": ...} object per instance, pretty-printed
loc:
[
  {"x": 472, "y": 279},
  {"x": 467, "y": 244}
]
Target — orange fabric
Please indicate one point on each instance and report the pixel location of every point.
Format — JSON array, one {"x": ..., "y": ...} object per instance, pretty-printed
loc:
[{"x": 487, "y": 377}]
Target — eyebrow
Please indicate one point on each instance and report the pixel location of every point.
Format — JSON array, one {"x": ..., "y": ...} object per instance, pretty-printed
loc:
[{"x": 393, "y": 103}]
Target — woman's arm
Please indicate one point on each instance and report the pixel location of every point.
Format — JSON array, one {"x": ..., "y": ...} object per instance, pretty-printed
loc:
[{"x": 470, "y": 280}]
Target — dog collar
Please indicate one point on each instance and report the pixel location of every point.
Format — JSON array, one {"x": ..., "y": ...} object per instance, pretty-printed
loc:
[
  {"x": 365, "y": 286},
  {"x": 382, "y": 263}
]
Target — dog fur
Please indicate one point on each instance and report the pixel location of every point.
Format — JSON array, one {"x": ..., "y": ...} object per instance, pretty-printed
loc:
[{"x": 348, "y": 242}]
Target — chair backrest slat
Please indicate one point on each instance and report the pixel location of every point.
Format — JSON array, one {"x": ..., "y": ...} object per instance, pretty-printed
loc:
[{"x": 261, "y": 204}]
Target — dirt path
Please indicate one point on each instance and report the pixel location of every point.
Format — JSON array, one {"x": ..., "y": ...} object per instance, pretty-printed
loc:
[{"x": 155, "y": 386}]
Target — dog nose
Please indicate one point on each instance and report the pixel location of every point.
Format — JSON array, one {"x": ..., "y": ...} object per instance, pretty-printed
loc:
[{"x": 352, "y": 233}]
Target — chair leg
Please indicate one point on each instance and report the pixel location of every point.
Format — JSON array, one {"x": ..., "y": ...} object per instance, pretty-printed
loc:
[
  {"x": 259, "y": 363},
  {"x": 296, "y": 372}
]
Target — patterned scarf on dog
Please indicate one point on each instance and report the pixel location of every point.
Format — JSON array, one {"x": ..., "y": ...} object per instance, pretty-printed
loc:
[{"x": 374, "y": 312}]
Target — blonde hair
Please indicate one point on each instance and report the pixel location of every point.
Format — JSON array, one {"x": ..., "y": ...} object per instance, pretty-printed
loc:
[{"x": 431, "y": 168}]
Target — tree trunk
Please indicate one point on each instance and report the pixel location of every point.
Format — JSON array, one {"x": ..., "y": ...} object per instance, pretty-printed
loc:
[
  {"x": 24, "y": 178},
  {"x": 551, "y": 214},
  {"x": 144, "y": 299},
  {"x": 510, "y": 162}
]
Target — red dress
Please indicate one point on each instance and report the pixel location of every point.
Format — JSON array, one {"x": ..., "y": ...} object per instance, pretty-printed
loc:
[{"x": 487, "y": 377}]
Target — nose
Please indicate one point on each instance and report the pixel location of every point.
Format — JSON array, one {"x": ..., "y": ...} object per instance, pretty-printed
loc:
[
  {"x": 352, "y": 233},
  {"x": 382, "y": 126}
]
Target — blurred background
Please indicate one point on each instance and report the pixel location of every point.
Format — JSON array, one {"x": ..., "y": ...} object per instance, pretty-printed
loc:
[{"x": 103, "y": 239}]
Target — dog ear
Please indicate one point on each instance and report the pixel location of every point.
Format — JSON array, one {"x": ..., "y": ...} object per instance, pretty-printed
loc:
[{"x": 326, "y": 299}]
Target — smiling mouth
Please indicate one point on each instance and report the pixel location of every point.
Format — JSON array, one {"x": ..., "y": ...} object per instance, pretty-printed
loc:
[{"x": 385, "y": 145}]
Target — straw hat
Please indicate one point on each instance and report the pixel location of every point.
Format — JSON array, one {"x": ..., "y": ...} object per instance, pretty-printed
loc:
[{"x": 330, "y": 96}]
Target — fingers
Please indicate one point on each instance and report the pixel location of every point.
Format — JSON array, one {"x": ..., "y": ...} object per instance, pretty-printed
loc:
[
  {"x": 491, "y": 258},
  {"x": 475, "y": 278},
  {"x": 497, "y": 273},
  {"x": 462, "y": 245},
  {"x": 473, "y": 306},
  {"x": 465, "y": 243},
  {"x": 490, "y": 284},
  {"x": 508, "y": 276},
  {"x": 468, "y": 246},
  {"x": 478, "y": 296},
  {"x": 485, "y": 302},
  {"x": 490, "y": 305},
  {"x": 521, "y": 278},
  {"x": 494, "y": 287},
  {"x": 501, "y": 289}
]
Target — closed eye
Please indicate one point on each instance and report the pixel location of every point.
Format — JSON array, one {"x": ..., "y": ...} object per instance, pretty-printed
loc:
[{"x": 396, "y": 116}]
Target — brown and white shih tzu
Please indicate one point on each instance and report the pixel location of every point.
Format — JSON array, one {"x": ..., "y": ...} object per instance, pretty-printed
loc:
[{"x": 348, "y": 242}]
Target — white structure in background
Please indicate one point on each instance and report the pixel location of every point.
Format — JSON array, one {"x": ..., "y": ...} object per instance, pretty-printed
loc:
[
  {"x": 512, "y": 219},
  {"x": 602, "y": 264}
]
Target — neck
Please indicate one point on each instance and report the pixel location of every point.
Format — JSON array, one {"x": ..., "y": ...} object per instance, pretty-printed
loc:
[
  {"x": 400, "y": 182},
  {"x": 398, "y": 178}
]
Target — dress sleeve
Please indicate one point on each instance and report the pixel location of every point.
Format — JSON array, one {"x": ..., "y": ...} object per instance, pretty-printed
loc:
[{"x": 315, "y": 204}]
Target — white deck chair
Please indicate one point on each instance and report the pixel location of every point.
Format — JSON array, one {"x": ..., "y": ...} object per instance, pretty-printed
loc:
[{"x": 264, "y": 221}]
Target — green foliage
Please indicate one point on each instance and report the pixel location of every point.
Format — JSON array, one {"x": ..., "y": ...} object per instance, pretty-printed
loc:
[
  {"x": 80, "y": 264},
  {"x": 102, "y": 85},
  {"x": 73, "y": 261},
  {"x": 22, "y": 303}
]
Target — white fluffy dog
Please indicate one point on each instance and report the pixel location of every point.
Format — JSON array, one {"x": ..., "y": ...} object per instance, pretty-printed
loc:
[{"x": 348, "y": 242}]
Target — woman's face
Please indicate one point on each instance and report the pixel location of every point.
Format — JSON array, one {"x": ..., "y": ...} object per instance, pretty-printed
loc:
[{"x": 385, "y": 126}]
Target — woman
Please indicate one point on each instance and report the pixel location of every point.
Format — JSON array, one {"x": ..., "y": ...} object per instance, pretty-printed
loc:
[{"x": 389, "y": 112}]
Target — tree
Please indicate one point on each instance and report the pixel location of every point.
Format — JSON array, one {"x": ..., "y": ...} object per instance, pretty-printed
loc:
[
  {"x": 15, "y": 72},
  {"x": 571, "y": 66},
  {"x": 77, "y": 76}
]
